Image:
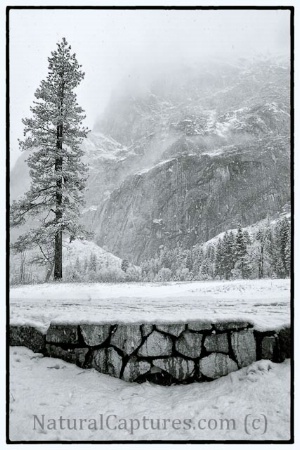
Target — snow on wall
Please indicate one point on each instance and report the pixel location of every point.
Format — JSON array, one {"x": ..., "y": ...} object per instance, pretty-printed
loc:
[{"x": 161, "y": 353}]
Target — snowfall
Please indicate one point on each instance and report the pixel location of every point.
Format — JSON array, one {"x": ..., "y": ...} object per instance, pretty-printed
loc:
[
  {"x": 264, "y": 303},
  {"x": 54, "y": 400}
]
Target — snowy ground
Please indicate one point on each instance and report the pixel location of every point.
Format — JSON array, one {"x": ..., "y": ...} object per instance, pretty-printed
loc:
[
  {"x": 265, "y": 303},
  {"x": 53, "y": 388}
]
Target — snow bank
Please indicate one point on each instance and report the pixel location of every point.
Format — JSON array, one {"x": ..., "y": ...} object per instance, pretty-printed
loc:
[{"x": 264, "y": 303}]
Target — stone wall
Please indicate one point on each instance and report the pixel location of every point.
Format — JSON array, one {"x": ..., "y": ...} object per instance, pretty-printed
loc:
[{"x": 164, "y": 354}]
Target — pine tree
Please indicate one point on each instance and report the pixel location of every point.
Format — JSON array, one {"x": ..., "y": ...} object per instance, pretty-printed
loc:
[
  {"x": 241, "y": 252},
  {"x": 93, "y": 263},
  {"x": 125, "y": 265},
  {"x": 189, "y": 261},
  {"x": 219, "y": 264},
  {"x": 54, "y": 134},
  {"x": 285, "y": 245}
]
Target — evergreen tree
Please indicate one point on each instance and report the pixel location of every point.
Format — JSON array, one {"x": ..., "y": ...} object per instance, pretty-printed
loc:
[
  {"x": 93, "y": 263},
  {"x": 189, "y": 261},
  {"x": 260, "y": 237},
  {"x": 54, "y": 133},
  {"x": 219, "y": 265},
  {"x": 125, "y": 265},
  {"x": 285, "y": 245},
  {"x": 241, "y": 252}
]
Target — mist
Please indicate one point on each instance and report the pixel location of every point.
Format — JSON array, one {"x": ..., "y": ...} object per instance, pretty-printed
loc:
[{"x": 127, "y": 48}]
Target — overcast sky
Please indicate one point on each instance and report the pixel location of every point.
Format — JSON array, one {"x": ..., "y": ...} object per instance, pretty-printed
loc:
[{"x": 109, "y": 44}]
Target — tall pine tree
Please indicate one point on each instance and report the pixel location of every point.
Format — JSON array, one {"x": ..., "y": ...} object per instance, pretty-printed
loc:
[{"x": 54, "y": 134}]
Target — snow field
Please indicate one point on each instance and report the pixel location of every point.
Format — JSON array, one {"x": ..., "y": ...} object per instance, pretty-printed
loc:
[
  {"x": 264, "y": 303},
  {"x": 44, "y": 389}
]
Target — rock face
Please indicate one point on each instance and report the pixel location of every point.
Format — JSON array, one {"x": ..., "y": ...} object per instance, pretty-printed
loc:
[
  {"x": 216, "y": 365},
  {"x": 127, "y": 338},
  {"x": 162, "y": 206},
  {"x": 95, "y": 334},
  {"x": 217, "y": 343},
  {"x": 244, "y": 347},
  {"x": 189, "y": 344},
  {"x": 178, "y": 368},
  {"x": 157, "y": 344},
  {"x": 108, "y": 361}
]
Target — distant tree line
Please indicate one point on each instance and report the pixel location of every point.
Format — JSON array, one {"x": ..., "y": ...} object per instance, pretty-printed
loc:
[
  {"x": 263, "y": 253},
  {"x": 236, "y": 255}
]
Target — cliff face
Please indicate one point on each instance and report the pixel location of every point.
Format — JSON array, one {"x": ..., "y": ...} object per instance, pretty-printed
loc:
[{"x": 191, "y": 198}]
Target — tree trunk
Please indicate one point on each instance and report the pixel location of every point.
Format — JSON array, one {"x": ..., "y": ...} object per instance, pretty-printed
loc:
[
  {"x": 58, "y": 213},
  {"x": 49, "y": 271}
]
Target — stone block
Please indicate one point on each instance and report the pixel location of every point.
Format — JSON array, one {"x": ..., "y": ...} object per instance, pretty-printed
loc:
[
  {"x": 179, "y": 368},
  {"x": 189, "y": 344},
  {"x": 27, "y": 336},
  {"x": 217, "y": 343},
  {"x": 71, "y": 355},
  {"x": 199, "y": 326},
  {"x": 107, "y": 361},
  {"x": 284, "y": 344},
  {"x": 244, "y": 347},
  {"x": 268, "y": 347},
  {"x": 156, "y": 344},
  {"x": 127, "y": 338},
  {"x": 62, "y": 334},
  {"x": 223, "y": 326},
  {"x": 216, "y": 365},
  {"x": 134, "y": 368},
  {"x": 147, "y": 329},
  {"x": 174, "y": 329},
  {"x": 95, "y": 334}
]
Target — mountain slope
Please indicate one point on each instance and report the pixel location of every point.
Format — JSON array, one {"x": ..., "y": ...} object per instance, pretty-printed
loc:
[
  {"x": 185, "y": 153},
  {"x": 191, "y": 198}
]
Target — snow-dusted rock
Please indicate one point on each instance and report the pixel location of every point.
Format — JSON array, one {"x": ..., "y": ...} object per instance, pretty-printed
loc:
[
  {"x": 95, "y": 334},
  {"x": 108, "y": 361},
  {"x": 244, "y": 347},
  {"x": 216, "y": 365},
  {"x": 189, "y": 344},
  {"x": 174, "y": 329},
  {"x": 217, "y": 343},
  {"x": 135, "y": 368},
  {"x": 156, "y": 344},
  {"x": 127, "y": 338},
  {"x": 62, "y": 334},
  {"x": 176, "y": 366},
  {"x": 27, "y": 336},
  {"x": 199, "y": 326}
]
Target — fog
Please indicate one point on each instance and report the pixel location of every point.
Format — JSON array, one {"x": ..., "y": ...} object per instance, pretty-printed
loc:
[{"x": 113, "y": 46}]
